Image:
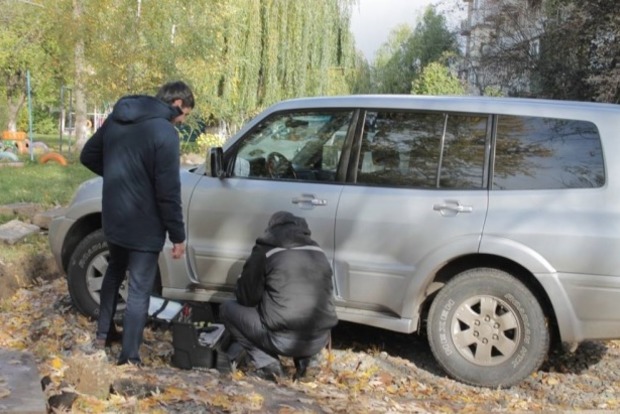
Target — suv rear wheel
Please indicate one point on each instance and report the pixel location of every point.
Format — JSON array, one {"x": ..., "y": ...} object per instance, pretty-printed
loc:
[
  {"x": 486, "y": 328},
  {"x": 85, "y": 275}
]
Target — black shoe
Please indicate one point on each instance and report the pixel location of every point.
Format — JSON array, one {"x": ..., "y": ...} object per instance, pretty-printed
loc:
[
  {"x": 114, "y": 336},
  {"x": 301, "y": 365},
  {"x": 270, "y": 372},
  {"x": 130, "y": 362}
]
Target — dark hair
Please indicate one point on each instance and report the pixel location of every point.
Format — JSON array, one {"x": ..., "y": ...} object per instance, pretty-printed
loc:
[{"x": 172, "y": 91}]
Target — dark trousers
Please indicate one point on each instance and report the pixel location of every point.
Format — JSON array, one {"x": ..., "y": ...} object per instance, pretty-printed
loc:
[
  {"x": 263, "y": 345},
  {"x": 141, "y": 268}
]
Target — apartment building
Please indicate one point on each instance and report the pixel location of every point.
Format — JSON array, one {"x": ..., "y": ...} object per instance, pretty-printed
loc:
[{"x": 501, "y": 40}]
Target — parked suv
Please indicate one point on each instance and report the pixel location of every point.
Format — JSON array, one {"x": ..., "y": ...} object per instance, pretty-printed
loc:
[{"x": 493, "y": 225}]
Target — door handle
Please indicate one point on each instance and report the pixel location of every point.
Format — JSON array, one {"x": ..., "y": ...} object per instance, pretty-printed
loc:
[
  {"x": 309, "y": 199},
  {"x": 452, "y": 208}
]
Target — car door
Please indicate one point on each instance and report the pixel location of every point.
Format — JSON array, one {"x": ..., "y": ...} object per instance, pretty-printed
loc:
[
  {"x": 289, "y": 161},
  {"x": 419, "y": 199}
]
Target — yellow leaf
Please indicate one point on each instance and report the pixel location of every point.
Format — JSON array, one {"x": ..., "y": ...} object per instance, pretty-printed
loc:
[{"x": 56, "y": 363}]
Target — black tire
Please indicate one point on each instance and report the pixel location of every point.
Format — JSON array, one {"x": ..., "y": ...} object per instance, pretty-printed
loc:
[
  {"x": 85, "y": 274},
  {"x": 486, "y": 328}
]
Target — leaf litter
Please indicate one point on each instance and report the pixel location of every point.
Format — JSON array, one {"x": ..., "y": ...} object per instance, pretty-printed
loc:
[{"x": 367, "y": 371}]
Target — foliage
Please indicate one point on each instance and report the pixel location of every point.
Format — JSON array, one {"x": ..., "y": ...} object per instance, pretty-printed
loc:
[
  {"x": 436, "y": 79},
  {"x": 206, "y": 141},
  {"x": 45, "y": 184},
  {"x": 238, "y": 55},
  {"x": 579, "y": 51},
  {"x": 403, "y": 58}
]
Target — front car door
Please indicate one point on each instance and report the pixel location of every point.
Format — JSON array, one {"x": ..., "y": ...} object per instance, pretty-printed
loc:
[{"x": 289, "y": 161}]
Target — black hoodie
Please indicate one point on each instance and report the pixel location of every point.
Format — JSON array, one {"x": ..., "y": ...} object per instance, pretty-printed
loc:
[
  {"x": 289, "y": 278},
  {"x": 136, "y": 151}
]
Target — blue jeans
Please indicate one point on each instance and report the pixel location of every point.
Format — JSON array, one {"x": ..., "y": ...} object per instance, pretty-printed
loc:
[{"x": 142, "y": 269}]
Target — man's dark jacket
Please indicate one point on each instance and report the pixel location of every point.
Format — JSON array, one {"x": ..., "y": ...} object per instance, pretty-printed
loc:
[
  {"x": 136, "y": 151},
  {"x": 289, "y": 278}
]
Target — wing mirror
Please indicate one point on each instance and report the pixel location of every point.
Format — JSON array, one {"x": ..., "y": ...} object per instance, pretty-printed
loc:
[{"x": 215, "y": 162}]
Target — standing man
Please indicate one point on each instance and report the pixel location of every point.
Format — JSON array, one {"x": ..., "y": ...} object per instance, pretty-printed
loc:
[
  {"x": 136, "y": 151},
  {"x": 285, "y": 302}
]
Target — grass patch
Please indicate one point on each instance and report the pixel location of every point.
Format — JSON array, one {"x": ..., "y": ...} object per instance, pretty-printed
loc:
[{"x": 46, "y": 184}]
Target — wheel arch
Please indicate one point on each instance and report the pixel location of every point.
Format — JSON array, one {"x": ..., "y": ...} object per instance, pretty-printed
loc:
[
  {"x": 80, "y": 229},
  {"x": 448, "y": 271}
]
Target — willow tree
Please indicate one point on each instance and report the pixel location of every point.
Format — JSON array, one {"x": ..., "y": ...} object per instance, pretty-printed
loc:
[{"x": 24, "y": 47}]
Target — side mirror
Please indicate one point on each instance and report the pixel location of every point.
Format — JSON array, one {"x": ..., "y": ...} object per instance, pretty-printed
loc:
[{"x": 215, "y": 162}]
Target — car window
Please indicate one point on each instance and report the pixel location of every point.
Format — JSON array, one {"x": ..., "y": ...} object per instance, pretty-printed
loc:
[
  {"x": 299, "y": 146},
  {"x": 423, "y": 150},
  {"x": 547, "y": 153}
]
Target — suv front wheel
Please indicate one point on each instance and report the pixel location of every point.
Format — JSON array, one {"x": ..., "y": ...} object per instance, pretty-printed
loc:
[
  {"x": 85, "y": 275},
  {"x": 486, "y": 328}
]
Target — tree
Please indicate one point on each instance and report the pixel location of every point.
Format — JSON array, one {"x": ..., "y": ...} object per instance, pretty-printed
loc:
[
  {"x": 579, "y": 51},
  {"x": 401, "y": 60},
  {"x": 436, "y": 79},
  {"x": 503, "y": 47},
  {"x": 24, "y": 46}
]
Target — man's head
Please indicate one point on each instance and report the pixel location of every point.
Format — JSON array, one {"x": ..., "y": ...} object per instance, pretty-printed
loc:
[{"x": 180, "y": 95}]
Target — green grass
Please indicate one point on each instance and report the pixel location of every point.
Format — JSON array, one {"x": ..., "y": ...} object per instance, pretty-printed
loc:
[{"x": 46, "y": 184}]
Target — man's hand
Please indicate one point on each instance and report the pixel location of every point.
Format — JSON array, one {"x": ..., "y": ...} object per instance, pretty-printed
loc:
[{"x": 178, "y": 250}]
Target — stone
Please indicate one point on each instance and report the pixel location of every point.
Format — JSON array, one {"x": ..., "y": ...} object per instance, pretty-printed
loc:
[
  {"x": 20, "y": 384},
  {"x": 44, "y": 218},
  {"x": 15, "y": 231}
]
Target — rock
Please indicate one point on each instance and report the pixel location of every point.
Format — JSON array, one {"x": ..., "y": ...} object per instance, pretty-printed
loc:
[
  {"x": 21, "y": 378},
  {"x": 44, "y": 219},
  {"x": 15, "y": 231},
  {"x": 21, "y": 209}
]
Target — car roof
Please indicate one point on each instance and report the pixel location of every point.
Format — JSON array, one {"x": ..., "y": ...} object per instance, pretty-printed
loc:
[{"x": 475, "y": 104}]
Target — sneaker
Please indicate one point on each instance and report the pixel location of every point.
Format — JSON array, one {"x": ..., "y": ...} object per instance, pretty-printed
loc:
[{"x": 270, "y": 372}]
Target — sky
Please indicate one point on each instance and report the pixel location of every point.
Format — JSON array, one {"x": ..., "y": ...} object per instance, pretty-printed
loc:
[{"x": 373, "y": 20}]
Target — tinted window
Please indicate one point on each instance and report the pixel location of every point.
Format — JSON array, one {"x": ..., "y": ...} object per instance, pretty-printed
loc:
[
  {"x": 545, "y": 153},
  {"x": 423, "y": 150},
  {"x": 298, "y": 146}
]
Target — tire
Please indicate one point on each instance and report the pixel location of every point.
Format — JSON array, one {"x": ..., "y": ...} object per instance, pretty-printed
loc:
[
  {"x": 494, "y": 347},
  {"x": 53, "y": 156},
  {"x": 9, "y": 156},
  {"x": 85, "y": 275}
]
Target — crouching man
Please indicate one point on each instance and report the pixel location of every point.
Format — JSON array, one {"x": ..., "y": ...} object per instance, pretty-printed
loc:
[{"x": 284, "y": 300}]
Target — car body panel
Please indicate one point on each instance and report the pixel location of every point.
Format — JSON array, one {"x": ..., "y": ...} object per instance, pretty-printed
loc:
[{"x": 388, "y": 245}]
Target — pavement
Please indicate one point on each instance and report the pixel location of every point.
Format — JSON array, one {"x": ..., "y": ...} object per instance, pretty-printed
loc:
[{"x": 20, "y": 385}]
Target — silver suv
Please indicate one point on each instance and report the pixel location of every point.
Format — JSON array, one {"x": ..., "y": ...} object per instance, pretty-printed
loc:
[{"x": 493, "y": 225}]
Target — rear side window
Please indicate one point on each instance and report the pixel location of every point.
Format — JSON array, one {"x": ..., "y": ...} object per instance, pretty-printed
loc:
[
  {"x": 543, "y": 153},
  {"x": 423, "y": 150}
]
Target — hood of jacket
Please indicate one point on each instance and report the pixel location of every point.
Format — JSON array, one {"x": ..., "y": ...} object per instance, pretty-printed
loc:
[
  {"x": 138, "y": 108},
  {"x": 287, "y": 230}
]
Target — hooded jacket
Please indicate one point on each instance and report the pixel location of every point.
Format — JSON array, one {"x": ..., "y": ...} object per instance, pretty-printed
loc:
[
  {"x": 136, "y": 151},
  {"x": 289, "y": 279}
]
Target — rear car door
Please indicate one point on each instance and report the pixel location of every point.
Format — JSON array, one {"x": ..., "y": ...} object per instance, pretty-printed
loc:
[
  {"x": 289, "y": 161},
  {"x": 419, "y": 198}
]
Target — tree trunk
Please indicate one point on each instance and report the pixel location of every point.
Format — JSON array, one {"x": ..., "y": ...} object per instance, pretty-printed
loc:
[{"x": 79, "y": 87}]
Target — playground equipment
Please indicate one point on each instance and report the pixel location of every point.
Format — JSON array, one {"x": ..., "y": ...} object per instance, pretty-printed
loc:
[
  {"x": 10, "y": 144},
  {"x": 14, "y": 143}
]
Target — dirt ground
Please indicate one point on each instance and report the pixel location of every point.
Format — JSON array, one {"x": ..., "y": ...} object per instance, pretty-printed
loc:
[{"x": 368, "y": 370}]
